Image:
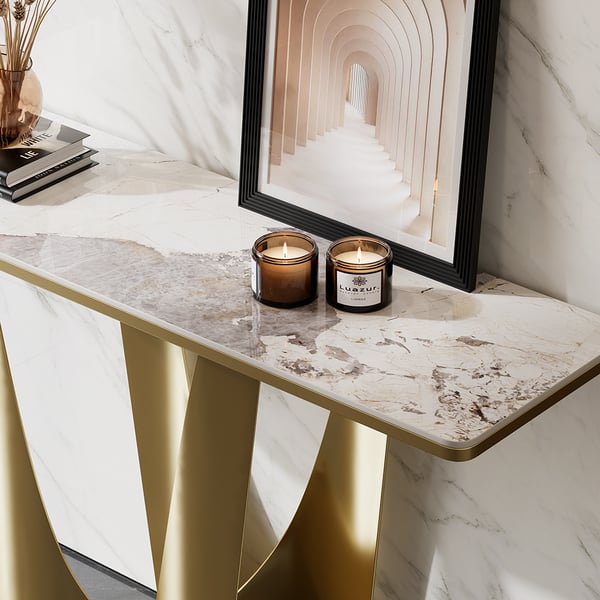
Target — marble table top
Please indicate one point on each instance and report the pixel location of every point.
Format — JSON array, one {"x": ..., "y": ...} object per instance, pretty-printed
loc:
[{"x": 166, "y": 242}]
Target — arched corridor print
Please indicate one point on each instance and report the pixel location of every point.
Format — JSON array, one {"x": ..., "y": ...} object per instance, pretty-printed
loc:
[{"x": 364, "y": 113}]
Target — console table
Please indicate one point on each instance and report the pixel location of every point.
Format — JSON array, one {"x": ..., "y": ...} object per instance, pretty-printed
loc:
[{"x": 162, "y": 247}]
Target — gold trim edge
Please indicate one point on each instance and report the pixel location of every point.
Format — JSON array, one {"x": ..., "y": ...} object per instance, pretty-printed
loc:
[{"x": 454, "y": 453}]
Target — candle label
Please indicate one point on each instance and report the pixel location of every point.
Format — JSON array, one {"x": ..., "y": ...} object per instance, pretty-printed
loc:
[{"x": 359, "y": 290}]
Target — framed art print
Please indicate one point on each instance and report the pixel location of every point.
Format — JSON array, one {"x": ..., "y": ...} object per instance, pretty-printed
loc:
[{"x": 371, "y": 117}]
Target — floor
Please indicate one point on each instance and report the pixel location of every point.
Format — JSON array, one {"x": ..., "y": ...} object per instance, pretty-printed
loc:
[{"x": 100, "y": 583}]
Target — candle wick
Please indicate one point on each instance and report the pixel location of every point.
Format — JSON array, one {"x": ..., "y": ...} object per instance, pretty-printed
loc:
[{"x": 284, "y": 250}]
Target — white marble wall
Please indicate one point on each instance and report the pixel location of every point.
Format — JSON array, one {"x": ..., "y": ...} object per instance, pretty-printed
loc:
[
  {"x": 166, "y": 74},
  {"x": 69, "y": 373},
  {"x": 542, "y": 208},
  {"x": 521, "y": 522}
]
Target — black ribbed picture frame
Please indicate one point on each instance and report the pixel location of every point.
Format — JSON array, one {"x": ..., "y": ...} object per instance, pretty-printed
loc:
[{"x": 461, "y": 269}]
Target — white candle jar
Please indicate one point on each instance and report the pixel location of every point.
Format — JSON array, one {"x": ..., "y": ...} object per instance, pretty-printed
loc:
[
  {"x": 359, "y": 274},
  {"x": 285, "y": 269}
]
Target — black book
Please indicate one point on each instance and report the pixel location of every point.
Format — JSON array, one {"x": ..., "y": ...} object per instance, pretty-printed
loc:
[
  {"x": 50, "y": 176},
  {"x": 49, "y": 144}
]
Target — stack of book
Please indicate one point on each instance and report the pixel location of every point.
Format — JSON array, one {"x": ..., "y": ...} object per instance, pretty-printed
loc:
[{"x": 51, "y": 153}]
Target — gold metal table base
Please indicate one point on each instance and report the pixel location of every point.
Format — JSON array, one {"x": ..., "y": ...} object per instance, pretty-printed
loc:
[
  {"x": 197, "y": 524},
  {"x": 195, "y": 434},
  {"x": 329, "y": 550},
  {"x": 195, "y": 456}
]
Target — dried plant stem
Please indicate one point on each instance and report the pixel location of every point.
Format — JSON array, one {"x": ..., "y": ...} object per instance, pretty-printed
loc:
[
  {"x": 22, "y": 20},
  {"x": 41, "y": 10}
]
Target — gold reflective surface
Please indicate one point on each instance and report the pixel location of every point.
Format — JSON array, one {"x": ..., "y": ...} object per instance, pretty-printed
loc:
[
  {"x": 199, "y": 545},
  {"x": 329, "y": 550},
  {"x": 31, "y": 563},
  {"x": 159, "y": 397},
  {"x": 194, "y": 423}
]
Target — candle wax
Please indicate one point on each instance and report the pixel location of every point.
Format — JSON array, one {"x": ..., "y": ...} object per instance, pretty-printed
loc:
[
  {"x": 365, "y": 258},
  {"x": 278, "y": 252}
]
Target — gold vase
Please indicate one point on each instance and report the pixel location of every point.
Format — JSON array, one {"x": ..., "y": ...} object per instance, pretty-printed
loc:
[{"x": 20, "y": 104}]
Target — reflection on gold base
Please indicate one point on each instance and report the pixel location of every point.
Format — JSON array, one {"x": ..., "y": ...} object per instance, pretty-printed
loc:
[
  {"x": 31, "y": 563},
  {"x": 159, "y": 395},
  {"x": 195, "y": 472},
  {"x": 195, "y": 422},
  {"x": 196, "y": 506},
  {"x": 329, "y": 550}
]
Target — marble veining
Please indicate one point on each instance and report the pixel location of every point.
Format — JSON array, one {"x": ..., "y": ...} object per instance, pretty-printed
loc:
[
  {"x": 541, "y": 208},
  {"x": 169, "y": 241},
  {"x": 452, "y": 375}
]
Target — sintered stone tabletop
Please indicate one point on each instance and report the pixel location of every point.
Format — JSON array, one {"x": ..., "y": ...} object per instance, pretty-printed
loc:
[{"x": 167, "y": 242}]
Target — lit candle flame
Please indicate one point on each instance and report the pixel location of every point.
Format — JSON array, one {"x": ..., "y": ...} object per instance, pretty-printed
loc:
[
  {"x": 284, "y": 250},
  {"x": 358, "y": 255}
]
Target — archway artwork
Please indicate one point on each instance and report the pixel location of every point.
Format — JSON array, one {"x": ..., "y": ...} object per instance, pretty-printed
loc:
[{"x": 364, "y": 113}]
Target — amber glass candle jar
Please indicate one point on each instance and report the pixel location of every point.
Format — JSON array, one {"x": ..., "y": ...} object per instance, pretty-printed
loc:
[
  {"x": 359, "y": 274},
  {"x": 285, "y": 269}
]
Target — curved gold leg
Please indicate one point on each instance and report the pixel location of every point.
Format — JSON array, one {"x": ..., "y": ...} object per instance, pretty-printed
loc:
[
  {"x": 329, "y": 550},
  {"x": 196, "y": 526},
  {"x": 159, "y": 396},
  {"x": 196, "y": 486},
  {"x": 31, "y": 563}
]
